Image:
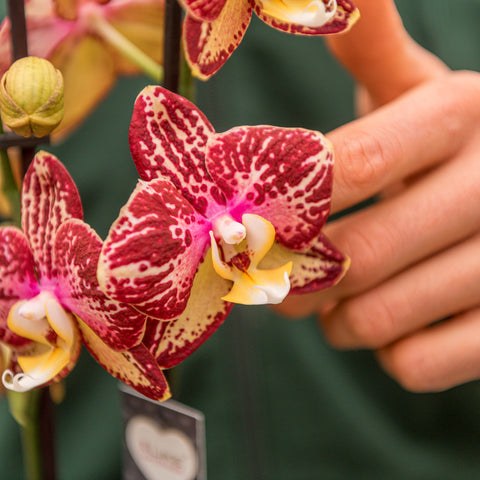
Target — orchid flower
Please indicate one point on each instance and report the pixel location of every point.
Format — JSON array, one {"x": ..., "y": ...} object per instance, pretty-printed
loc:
[
  {"x": 217, "y": 218},
  {"x": 50, "y": 301},
  {"x": 91, "y": 42},
  {"x": 213, "y": 29}
]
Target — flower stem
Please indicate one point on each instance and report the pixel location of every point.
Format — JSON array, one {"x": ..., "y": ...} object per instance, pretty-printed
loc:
[
  {"x": 25, "y": 409},
  {"x": 125, "y": 47}
]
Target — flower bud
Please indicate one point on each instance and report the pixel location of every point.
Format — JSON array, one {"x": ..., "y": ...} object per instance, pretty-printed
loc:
[{"x": 31, "y": 97}]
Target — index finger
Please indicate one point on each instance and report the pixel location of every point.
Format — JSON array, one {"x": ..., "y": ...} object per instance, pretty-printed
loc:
[{"x": 420, "y": 129}]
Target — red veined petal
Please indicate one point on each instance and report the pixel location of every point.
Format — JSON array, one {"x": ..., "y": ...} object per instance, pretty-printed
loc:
[
  {"x": 168, "y": 135},
  {"x": 346, "y": 15},
  {"x": 152, "y": 251},
  {"x": 17, "y": 278},
  {"x": 281, "y": 174},
  {"x": 77, "y": 248},
  {"x": 208, "y": 45},
  {"x": 206, "y": 10},
  {"x": 49, "y": 198},
  {"x": 171, "y": 342},
  {"x": 135, "y": 367},
  {"x": 321, "y": 266}
]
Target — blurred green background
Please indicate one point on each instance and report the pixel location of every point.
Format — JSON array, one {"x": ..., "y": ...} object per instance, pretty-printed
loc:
[{"x": 280, "y": 404}]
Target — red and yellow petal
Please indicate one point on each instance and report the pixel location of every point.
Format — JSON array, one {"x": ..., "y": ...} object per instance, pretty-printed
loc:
[
  {"x": 206, "y": 10},
  {"x": 171, "y": 342},
  {"x": 77, "y": 249},
  {"x": 49, "y": 198},
  {"x": 135, "y": 367},
  {"x": 281, "y": 174},
  {"x": 152, "y": 251},
  {"x": 168, "y": 137},
  {"x": 289, "y": 16},
  {"x": 208, "y": 44},
  {"x": 17, "y": 279},
  {"x": 320, "y": 267}
]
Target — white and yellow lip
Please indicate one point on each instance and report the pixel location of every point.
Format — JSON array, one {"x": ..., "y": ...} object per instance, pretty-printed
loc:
[
  {"x": 55, "y": 338},
  {"x": 309, "y": 13},
  {"x": 251, "y": 285}
]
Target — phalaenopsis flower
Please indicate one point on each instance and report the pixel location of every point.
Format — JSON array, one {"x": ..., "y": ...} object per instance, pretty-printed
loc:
[
  {"x": 217, "y": 218},
  {"x": 50, "y": 301},
  {"x": 213, "y": 29}
]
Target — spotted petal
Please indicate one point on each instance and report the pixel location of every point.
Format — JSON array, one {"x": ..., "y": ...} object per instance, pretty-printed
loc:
[
  {"x": 281, "y": 174},
  {"x": 17, "y": 278},
  {"x": 209, "y": 44},
  {"x": 206, "y": 10},
  {"x": 168, "y": 135},
  {"x": 321, "y": 266},
  {"x": 135, "y": 367},
  {"x": 171, "y": 342},
  {"x": 77, "y": 248},
  {"x": 152, "y": 251},
  {"x": 49, "y": 198},
  {"x": 308, "y": 17}
]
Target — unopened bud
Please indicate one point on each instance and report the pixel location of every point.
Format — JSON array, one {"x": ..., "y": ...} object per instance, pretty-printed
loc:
[{"x": 31, "y": 97}]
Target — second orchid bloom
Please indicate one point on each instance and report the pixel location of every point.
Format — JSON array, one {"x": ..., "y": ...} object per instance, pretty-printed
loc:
[
  {"x": 217, "y": 218},
  {"x": 213, "y": 29},
  {"x": 50, "y": 301}
]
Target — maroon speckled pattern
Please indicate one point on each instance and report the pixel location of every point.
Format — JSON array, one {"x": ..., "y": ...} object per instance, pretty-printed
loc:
[
  {"x": 49, "y": 198},
  {"x": 77, "y": 248},
  {"x": 167, "y": 137},
  {"x": 281, "y": 174},
  {"x": 323, "y": 266},
  {"x": 209, "y": 44},
  {"x": 206, "y": 10},
  {"x": 17, "y": 278},
  {"x": 161, "y": 238}
]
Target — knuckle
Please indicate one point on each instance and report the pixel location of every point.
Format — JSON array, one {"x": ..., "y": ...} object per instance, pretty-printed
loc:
[
  {"x": 370, "y": 321},
  {"x": 367, "y": 246},
  {"x": 412, "y": 367},
  {"x": 461, "y": 97},
  {"x": 366, "y": 157}
]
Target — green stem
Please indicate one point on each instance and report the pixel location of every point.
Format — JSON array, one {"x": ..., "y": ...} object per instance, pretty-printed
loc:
[
  {"x": 9, "y": 185},
  {"x": 125, "y": 47},
  {"x": 25, "y": 408}
]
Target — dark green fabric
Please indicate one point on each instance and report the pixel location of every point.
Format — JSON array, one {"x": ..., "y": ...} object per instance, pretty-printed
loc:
[{"x": 280, "y": 404}]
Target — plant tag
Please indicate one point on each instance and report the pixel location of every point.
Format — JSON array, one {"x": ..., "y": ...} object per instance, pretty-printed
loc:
[{"x": 162, "y": 440}]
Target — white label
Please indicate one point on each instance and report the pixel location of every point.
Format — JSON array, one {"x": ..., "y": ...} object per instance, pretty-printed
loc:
[{"x": 160, "y": 454}]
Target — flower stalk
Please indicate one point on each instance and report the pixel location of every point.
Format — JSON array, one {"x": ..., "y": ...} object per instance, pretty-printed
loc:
[{"x": 129, "y": 50}]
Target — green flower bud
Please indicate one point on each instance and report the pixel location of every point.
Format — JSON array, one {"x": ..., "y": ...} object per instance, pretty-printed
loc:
[{"x": 31, "y": 97}]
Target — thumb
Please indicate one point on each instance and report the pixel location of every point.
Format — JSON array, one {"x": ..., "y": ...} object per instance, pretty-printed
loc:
[{"x": 381, "y": 55}]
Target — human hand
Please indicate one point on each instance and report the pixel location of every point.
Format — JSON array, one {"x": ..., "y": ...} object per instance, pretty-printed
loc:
[{"x": 416, "y": 253}]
